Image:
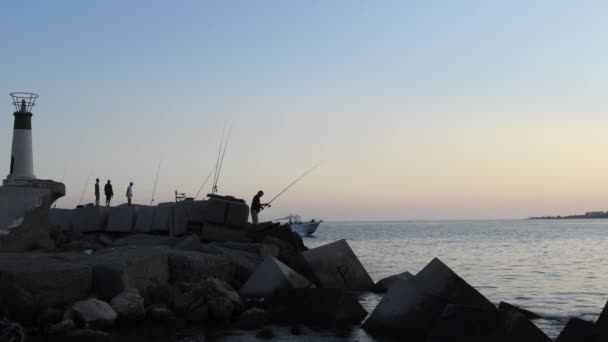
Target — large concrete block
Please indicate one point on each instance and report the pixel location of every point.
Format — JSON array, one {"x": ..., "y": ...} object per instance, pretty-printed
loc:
[
  {"x": 475, "y": 324},
  {"x": 325, "y": 307},
  {"x": 193, "y": 267},
  {"x": 90, "y": 219},
  {"x": 61, "y": 218},
  {"x": 238, "y": 213},
  {"x": 162, "y": 221},
  {"x": 121, "y": 219},
  {"x": 440, "y": 280},
  {"x": 270, "y": 276},
  {"x": 188, "y": 214},
  {"x": 145, "y": 217},
  {"x": 602, "y": 323},
  {"x": 31, "y": 282},
  {"x": 261, "y": 249},
  {"x": 336, "y": 266},
  {"x": 216, "y": 232},
  {"x": 246, "y": 263},
  {"x": 406, "y": 310},
  {"x": 385, "y": 284},
  {"x": 578, "y": 330},
  {"x": 142, "y": 240},
  {"x": 216, "y": 211}
]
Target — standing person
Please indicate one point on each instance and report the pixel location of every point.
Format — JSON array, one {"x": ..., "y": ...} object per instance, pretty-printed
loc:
[
  {"x": 107, "y": 189},
  {"x": 97, "y": 192},
  {"x": 129, "y": 193},
  {"x": 257, "y": 206}
]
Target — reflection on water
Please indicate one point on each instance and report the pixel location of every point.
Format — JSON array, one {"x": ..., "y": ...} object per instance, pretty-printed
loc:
[{"x": 555, "y": 268}]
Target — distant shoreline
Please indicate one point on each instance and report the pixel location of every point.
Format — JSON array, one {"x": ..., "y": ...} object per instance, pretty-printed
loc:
[{"x": 589, "y": 215}]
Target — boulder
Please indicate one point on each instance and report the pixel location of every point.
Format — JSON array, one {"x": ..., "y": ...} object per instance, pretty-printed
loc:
[
  {"x": 94, "y": 311},
  {"x": 218, "y": 232},
  {"x": 406, "y": 310},
  {"x": 336, "y": 266},
  {"x": 223, "y": 301},
  {"x": 61, "y": 328},
  {"x": 317, "y": 306},
  {"x": 144, "y": 240},
  {"x": 253, "y": 318},
  {"x": 145, "y": 218},
  {"x": 261, "y": 249},
  {"x": 246, "y": 263},
  {"x": 185, "y": 214},
  {"x": 88, "y": 335},
  {"x": 528, "y": 314},
  {"x": 476, "y": 324},
  {"x": 440, "y": 280},
  {"x": 186, "y": 266},
  {"x": 129, "y": 305},
  {"x": 122, "y": 219},
  {"x": 269, "y": 276},
  {"x": 159, "y": 313},
  {"x": 578, "y": 330},
  {"x": 61, "y": 218},
  {"x": 32, "y": 282},
  {"x": 385, "y": 284},
  {"x": 162, "y": 221},
  {"x": 188, "y": 243},
  {"x": 49, "y": 316},
  {"x": 90, "y": 219}
]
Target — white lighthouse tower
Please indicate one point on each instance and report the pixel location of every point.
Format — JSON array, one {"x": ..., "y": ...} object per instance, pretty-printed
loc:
[{"x": 22, "y": 160}]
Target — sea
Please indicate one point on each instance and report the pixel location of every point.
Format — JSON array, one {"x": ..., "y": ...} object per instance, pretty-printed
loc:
[{"x": 556, "y": 268}]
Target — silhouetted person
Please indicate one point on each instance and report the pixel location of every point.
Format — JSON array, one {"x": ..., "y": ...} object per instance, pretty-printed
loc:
[
  {"x": 129, "y": 193},
  {"x": 97, "y": 192},
  {"x": 107, "y": 189},
  {"x": 257, "y": 206}
]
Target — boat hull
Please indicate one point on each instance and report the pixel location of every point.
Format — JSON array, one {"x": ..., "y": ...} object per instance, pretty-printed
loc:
[{"x": 305, "y": 229}]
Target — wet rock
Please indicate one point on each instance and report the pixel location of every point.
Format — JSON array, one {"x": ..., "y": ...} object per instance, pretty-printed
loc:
[
  {"x": 145, "y": 217},
  {"x": 528, "y": 314},
  {"x": 159, "y": 313},
  {"x": 269, "y": 276},
  {"x": 468, "y": 323},
  {"x": 129, "y": 306},
  {"x": 223, "y": 301},
  {"x": 406, "y": 310},
  {"x": 90, "y": 219},
  {"x": 439, "y": 279},
  {"x": 94, "y": 311},
  {"x": 253, "y": 318},
  {"x": 336, "y": 266},
  {"x": 385, "y": 284},
  {"x": 88, "y": 335},
  {"x": 185, "y": 266},
  {"x": 188, "y": 243},
  {"x": 122, "y": 218},
  {"x": 265, "y": 334},
  {"x": 325, "y": 307},
  {"x": 578, "y": 330}
]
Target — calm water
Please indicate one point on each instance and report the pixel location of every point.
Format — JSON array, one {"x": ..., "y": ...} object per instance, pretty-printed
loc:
[{"x": 555, "y": 268}]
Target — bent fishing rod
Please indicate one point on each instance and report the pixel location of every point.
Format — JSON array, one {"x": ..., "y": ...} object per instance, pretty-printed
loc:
[
  {"x": 292, "y": 184},
  {"x": 219, "y": 170},
  {"x": 155, "y": 181},
  {"x": 205, "y": 182}
]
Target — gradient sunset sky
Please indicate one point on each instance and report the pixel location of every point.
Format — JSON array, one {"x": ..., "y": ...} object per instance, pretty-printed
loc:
[{"x": 420, "y": 110}]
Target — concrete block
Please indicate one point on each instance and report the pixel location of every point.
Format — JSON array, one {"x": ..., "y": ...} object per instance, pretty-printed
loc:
[
  {"x": 440, "y": 280},
  {"x": 578, "y": 330},
  {"x": 246, "y": 263},
  {"x": 270, "y": 276},
  {"x": 215, "y": 232},
  {"x": 385, "y": 284},
  {"x": 261, "y": 249},
  {"x": 216, "y": 211},
  {"x": 188, "y": 243},
  {"x": 238, "y": 214},
  {"x": 162, "y": 221},
  {"x": 145, "y": 217},
  {"x": 61, "y": 218},
  {"x": 187, "y": 214},
  {"x": 121, "y": 219},
  {"x": 187, "y": 266},
  {"x": 142, "y": 240},
  {"x": 316, "y": 306},
  {"x": 528, "y": 314},
  {"x": 406, "y": 310},
  {"x": 336, "y": 266},
  {"x": 90, "y": 219}
]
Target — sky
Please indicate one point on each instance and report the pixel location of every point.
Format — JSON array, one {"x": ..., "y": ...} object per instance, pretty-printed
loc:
[{"x": 418, "y": 110}]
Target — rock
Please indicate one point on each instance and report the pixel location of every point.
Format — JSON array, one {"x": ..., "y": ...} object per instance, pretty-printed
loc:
[
  {"x": 90, "y": 219},
  {"x": 296, "y": 331},
  {"x": 470, "y": 323},
  {"x": 159, "y": 313},
  {"x": 46, "y": 245},
  {"x": 50, "y": 316},
  {"x": 385, "y": 284},
  {"x": 61, "y": 218},
  {"x": 269, "y": 276},
  {"x": 528, "y": 314},
  {"x": 105, "y": 239},
  {"x": 33, "y": 282},
  {"x": 187, "y": 266},
  {"x": 198, "y": 312},
  {"x": 265, "y": 334},
  {"x": 61, "y": 328},
  {"x": 187, "y": 213},
  {"x": 122, "y": 218},
  {"x": 336, "y": 266},
  {"x": 253, "y": 318},
  {"x": 325, "y": 307},
  {"x": 602, "y": 323},
  {"x": 88, "y": 335},
  {"x": 217, "y": 232},
  {"x": 260, "y": 249},
  {"x": 144, "y": 220},
  {"x": 162, "y": 220},
  {"x": 94, "y": 311},
  {"x": 245, "y": 263},
  {"x": 439, "y": 279},
  {"x": 143, "y": 240},
  {"x": 223, "y": 301},
  {"x": 158, "y": 293},
  {"x": 188, "y": 243},
  {"x": 129, "y": 306},
  {"x": 406, "y": 310},
  {"x": 578, "y": 330}
]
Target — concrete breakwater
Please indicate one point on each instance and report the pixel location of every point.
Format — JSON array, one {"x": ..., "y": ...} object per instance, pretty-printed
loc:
[{"x": 247, "y": 276}]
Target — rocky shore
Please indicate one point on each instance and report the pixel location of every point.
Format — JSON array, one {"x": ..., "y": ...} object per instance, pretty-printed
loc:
[{"x": 199, "y": 263}]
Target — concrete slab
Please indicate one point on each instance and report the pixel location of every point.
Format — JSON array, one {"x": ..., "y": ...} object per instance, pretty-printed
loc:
[
  {"x": 162, "y": 221},
  {"x": 122, "y": 219},
  {"x": 238, "y": 213},
  {"x": 337, "y": 266},
  {"x": 62, "y": 218},
  {"x": 188, "y": 266},
  {"x": 216, "y": 232},
  {"x": 90, "y": 219},
  {"x": 385, "y": 284},
  {"x": 216, "y": 211},
  {"x": 145, "y": 217},
  {"x": 188, "y": 213},
  {"x": 440, "y": 280},
  {"x": 270, "y": 276}
]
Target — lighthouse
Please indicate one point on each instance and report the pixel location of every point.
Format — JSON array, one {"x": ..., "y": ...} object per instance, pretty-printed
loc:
[{"x": 22, "y": 160}]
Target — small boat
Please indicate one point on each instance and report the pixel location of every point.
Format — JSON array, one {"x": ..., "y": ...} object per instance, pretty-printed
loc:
[{"x": 302, "y": 228}]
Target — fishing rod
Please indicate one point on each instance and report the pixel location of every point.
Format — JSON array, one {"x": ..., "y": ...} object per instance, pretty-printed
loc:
[
  {"x": 85, "y": 188},
  {"x": 292, "y": 183},
  {"x": 219, "y": 171},
  {"x": 205, "y": 182},
  {"x": 155, "y": 181},
  {"x": 217, "y": 163}
]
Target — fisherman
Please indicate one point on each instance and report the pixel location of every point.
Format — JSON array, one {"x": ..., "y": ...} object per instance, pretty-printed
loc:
[
  {"x": 257, "y": 206},
  {"x": 107, "y": 189},
  {"x": 129, "y": 193},
  {"x": 97, "y": 192}
]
